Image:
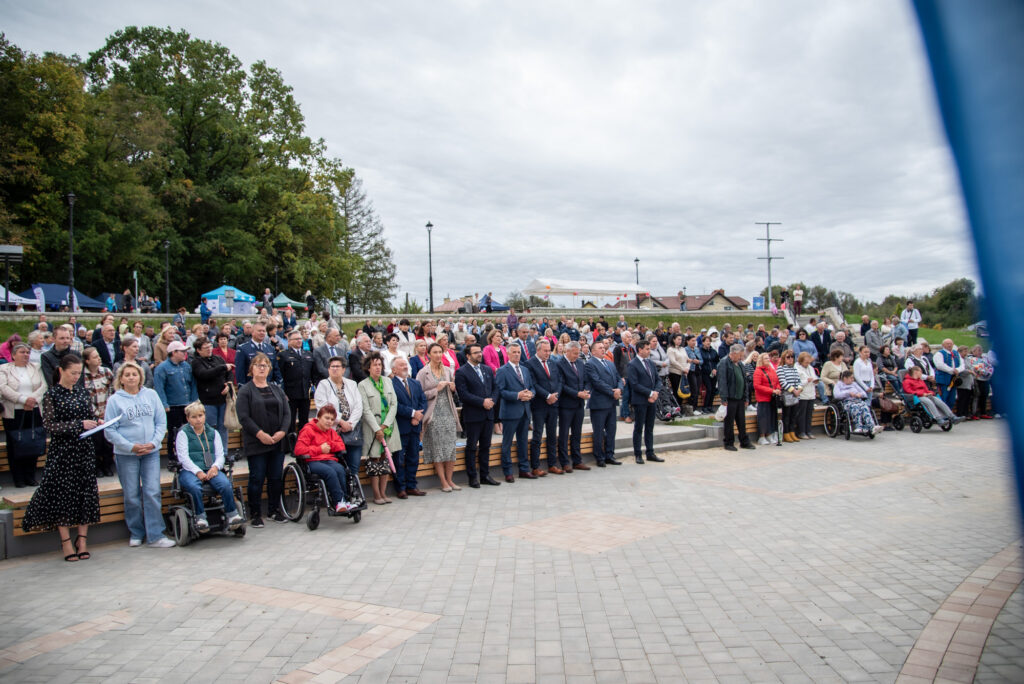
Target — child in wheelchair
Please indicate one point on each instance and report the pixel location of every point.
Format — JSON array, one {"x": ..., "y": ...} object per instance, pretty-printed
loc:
[
  {"x": 318, "y": 445},
  {"x": 916, "y": 390},
  {"x": 201, "y": 459}
]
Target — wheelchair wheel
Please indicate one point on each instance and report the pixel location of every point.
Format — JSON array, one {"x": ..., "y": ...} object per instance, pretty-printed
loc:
[
  {"x": 356, "y": 517},
  {"x": 898, "y": 423},
  {"x": 180, "y": 527},
  {"x": 313, "y": 520},
  {"x": 831, "y": 420},
  {"x": 927, "y": 422},
  {"x": 915, "y": 424},
  {"x": 947, "y": 426},
  {"x": 240, "y": 532},
  {"x": 293, "y": 493}
]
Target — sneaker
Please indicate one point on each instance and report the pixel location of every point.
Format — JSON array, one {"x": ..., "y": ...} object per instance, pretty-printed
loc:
[
  {"x": 278, "y": 517},
  {"x": 202, "y": 524},
  {"x": 763, "y": 442},
  {"x": 162, "y": 543},
  {"x": 343, "y": 507},
  {"x": 134, "y": 542},
  {"x": 257, "y": 521},
  {"x": 877, "y": 429},
  {"x": 235, "y": 521},
  {"x": 698, "y": 413},
  {"x": 772, "y": 438}
]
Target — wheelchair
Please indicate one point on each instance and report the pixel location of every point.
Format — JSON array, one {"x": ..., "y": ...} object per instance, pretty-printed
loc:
[
  {"x": 838, "y": 422},
  {"x": 916, "y": 415},
  {"x": 182, "y": 515},
  {"x": 301, "y": 488}
]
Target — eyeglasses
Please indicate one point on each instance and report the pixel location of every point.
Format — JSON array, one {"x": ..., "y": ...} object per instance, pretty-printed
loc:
[{"x": 261, "y": 365}]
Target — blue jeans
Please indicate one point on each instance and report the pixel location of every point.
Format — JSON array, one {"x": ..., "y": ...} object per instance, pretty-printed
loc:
[
  {"x": 624, "y": 401},
  {"x": 215, "y": 419},
  {"x": 334, "y": 476},
  {"x": 194, "y": 488},
  {"x": 822, "y": 394},
  {"x": 947, "y": 394},
  {"x": 353, "y": 454},
  {"x": 140, "y": 481},
  {"x": 267, "y": 466}
]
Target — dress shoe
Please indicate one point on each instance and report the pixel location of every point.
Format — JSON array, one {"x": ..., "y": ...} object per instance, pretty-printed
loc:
[
  {"x": 509, "y": 479},
  {"x": 415, "y": 492},
  {"x": 527, "y": 475},
  {"x": 402, "y": 495},
  {"x": 555, "y": 470},
  {"x": 540, "y": 473},
  {"x": 656, "y": 459},
  {"x": 747, "y": 446},
  {"x": 474, "y": 483},
  {"x": 639, "y": 459},
  {"x": 600, "y": 464},
  {"x": 612, "y": 461},
  {"x": 581, "y": 466},
  {"x": 488, "y": 480},
  {"x": 731, "y": 447}
]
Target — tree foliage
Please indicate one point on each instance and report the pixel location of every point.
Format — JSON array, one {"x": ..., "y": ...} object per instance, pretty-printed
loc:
[{"x": 163, "y": 136}]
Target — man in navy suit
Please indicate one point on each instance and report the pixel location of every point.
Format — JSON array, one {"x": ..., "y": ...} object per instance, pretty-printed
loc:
[
  {"x": 108, "y": 346},
  {"x": 643, "y": 392},
  {"x": 478, "y": 391},
  {"x": 605, "y": 392},
  {"x": 575, "y": 391},
  {"x": 544, "y": 408},
  {"x": 516, "y": 390},
  {"x": 412, "y": 404}
]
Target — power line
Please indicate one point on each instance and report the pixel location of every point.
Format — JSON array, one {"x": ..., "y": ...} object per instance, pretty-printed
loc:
[{"x": 768, "y": 240}]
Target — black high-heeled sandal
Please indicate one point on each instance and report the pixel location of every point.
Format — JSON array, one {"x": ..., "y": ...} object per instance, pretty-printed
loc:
[
  {"x": 82, "y": 555},
  {"x": 71, "y": 557}
]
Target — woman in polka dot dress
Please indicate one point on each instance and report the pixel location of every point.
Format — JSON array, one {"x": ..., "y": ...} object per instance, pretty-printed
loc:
[{"x": 67, "y": 496}]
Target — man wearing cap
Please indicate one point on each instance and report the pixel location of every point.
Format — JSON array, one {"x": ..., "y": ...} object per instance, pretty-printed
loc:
[{"x": 176, "y": 387}]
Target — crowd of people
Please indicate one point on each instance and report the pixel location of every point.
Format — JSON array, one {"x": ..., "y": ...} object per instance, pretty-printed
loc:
[{"x": 399, "y": 393}]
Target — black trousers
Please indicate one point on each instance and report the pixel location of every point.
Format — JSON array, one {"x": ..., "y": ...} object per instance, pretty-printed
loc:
[
  {"x": 23, "y": 468},
  {"x": 805, "y": 409},
  {"x": 767, "y": 417},
  {"x": 911, "y": 338},
  {"x": 175, "y": 419},
  {"x": 693, "y": 378},
  {"x": 478, "y": 448},
  {"x": 603, "y": 423},
  {"x": 673, "y": 382},
  {"x": 735, "y": 414},
  {"x": 545, "y": 424},
  {"x": 300, "y": 412},
  {"x": 570, "y": 429},
  {"x": 643, "y": 427},
  {"x": 964, "y": 401},
  {"x": 709, "y": 391},
  {"x": 789, "y": 417}
]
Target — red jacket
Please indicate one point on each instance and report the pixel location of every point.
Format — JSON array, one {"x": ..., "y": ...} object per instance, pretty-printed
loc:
[
  {"x": 311, "y": 438},
  {"x": 915, "y": 387},
  {"x": 765, "y": 380}
]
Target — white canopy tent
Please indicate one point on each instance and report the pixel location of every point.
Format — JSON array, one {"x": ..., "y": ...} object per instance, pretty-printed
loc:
[
  {"x": 14, "y": 299},
  {"x": 583, "y": 288}
]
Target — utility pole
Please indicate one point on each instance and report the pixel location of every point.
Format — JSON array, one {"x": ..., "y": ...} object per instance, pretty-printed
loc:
[{"x": 768, "y": 240}]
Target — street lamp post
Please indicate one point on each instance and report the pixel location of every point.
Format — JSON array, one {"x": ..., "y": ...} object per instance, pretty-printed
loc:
[
  {"x": 636, "y": 262},
  {"x": 167, "y": 276},
  {"x": 276, "y": 288},
  {"x": 430, "y": 265},
  {"x": 71, "y": 251}
]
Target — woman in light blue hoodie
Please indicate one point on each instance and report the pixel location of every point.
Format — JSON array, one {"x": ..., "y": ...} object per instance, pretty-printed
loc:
[{"x": 136, "y": 437}]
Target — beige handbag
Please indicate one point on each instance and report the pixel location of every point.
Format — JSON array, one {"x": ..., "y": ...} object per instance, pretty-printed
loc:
[{"x": 231, "y": 411}]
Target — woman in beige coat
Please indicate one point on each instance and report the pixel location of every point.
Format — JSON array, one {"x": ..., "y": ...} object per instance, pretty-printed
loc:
[
  {"x": 440, "y": 422},
  {"x": 380, "y": 409},
  {"x": 21, "y": 390}
]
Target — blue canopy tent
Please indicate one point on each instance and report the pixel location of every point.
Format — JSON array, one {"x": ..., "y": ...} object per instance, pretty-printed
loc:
[
  {"x": 57, "y": 296},
  {"x": 495, "y": 304},
  {"x": 230, "y": 300}
]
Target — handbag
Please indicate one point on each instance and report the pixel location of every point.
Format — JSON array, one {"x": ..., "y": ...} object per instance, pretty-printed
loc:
[
  {"x": 887, "y": 405},
  {"x": 27, "y": 442},
  {"x": 352, "y": 438},
  {"x": 684, "y": 390},
  {"x": 231, "y": 409},
  {"x": 790, "y": 399}
]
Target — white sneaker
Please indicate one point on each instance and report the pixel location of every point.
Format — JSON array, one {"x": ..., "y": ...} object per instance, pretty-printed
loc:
[
  {"x": 202, "y": 524},
  {"x": 878, "y": 428},
  {"x": 698, "y": 413},
  {"x": 763, "y": 442},
  {"x": 134, "y": 542},
  {"x": 235, "y": 521},
  {"x": 162, "y": 543},
  {"x": 772, "y": 438}
]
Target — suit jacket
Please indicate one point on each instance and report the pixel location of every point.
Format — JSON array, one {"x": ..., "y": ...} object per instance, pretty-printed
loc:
[
  {"x": 101, "y": 348},
  {"x": 322, "y": 356},
  {"x": 641, "y": 383},
  {"x": 544, "y": 384},
  {"x": 408, "y": 403},
  {"x": 297, "y": 372},
  {"x": 243, "y": 357},
  {"x": 472, "y": 392},
  {"x": 355, "y": 364},
  {"x": 509, "y": 387},
  {"x": 603, "y": 380},
  {"x": 572, "y": 382},
  {"x": 822, "y": 342}
]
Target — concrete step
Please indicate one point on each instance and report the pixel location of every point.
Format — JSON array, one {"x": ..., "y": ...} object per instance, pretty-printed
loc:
[{"x": 663, "y": 434}]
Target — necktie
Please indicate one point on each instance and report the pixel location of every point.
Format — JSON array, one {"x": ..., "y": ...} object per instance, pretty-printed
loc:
[
  {"x": 575, "y": 369},
  {"x": 647, "y": 367},
  {"x": 526, "y": 354},
  {"x": 546, "y": 371},
  {"x": 519, "y": 374},
  {"x": 405, "y": 384},
  {"x": 479, "y": 374}
]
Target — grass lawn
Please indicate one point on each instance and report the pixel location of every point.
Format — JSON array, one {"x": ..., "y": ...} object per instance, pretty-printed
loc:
[{"x": 960, "y": 336}]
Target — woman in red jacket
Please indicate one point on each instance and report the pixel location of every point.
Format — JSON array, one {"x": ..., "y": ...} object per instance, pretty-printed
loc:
[
  {"x": 914, "y": 384},
  {"x": 318, "y": 444},
  {"x": 767, "y": 391}
]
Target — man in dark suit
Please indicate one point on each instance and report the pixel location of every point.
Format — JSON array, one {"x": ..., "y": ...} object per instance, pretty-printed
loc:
[
  {"x": 522, "y": 333},
  {"x": 296, "y": 366},
  {"x": 474, "y": 381},
  {"x": 325, "y": 352},
  {"x": 355, "y": 358},
  {"x": 572, "y": 374},
  {"x": 109, "y": 346},
  {"x": 605, "y": 392},
  {"x": 462, "y": 356},
  {"x": 622, "y": 355},
  {"x": 516, "y": 389},
  {"x": 259, "y": 343},
  {"x": 412, "y": 404},
  {"x": 822, "y": 340},
  {"x": 544, "y": 408},
  {"x": 643, "y": 392}
]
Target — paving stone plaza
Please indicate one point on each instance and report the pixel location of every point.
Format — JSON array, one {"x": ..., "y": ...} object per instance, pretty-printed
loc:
[{"x": 897, "y": 559}]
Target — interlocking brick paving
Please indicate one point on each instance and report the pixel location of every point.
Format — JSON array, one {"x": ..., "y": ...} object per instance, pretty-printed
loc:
[{"x": 586, "y": 531}]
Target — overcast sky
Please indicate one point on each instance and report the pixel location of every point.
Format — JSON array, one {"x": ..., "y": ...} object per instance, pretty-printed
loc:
[{"x": 566, "y": 138}]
